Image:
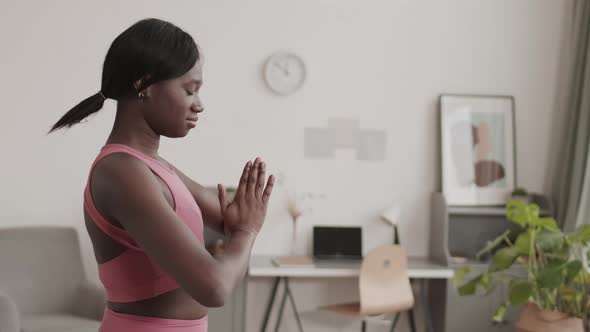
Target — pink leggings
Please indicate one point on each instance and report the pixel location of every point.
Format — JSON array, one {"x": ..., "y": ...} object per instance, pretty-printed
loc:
[{"x": 115, "y": 322}]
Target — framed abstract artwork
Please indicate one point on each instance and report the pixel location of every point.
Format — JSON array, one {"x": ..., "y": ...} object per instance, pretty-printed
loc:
[{"x": 477, "y": 149}]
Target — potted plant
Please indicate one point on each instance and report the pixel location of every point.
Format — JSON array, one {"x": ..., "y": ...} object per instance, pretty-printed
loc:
[
  {"x": 521, "y": 194},
  {"x": 555, "y": 283}
]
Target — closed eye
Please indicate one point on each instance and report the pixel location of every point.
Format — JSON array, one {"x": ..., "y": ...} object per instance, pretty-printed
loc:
[{"x": 189, "y": 93}]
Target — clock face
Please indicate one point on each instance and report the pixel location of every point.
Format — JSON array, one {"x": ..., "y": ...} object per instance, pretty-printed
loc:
[{"x": 284, "y": 73}]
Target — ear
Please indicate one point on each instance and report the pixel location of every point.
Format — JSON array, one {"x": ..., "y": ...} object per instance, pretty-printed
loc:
[
  {"x": 145, "y": 92},
  {"x": 137, "y": 85}
]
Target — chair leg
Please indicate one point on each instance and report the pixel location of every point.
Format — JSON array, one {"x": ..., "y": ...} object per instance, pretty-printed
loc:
[
  {"x": 394, "y": 321},
  {"x": 364, "y": 326}
]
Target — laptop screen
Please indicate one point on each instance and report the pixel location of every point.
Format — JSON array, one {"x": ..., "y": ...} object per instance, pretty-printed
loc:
[{"x": 337, "y": 242}]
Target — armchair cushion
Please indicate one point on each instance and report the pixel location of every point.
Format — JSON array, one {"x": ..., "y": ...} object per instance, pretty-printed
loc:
[
  {"x": 58, "y": 323},
  {"x": 90, "y": 301},
  {"x": 9, "y": 315},
  {"x": 44, "y": 283},
  {"x": 41, "y": 267}
]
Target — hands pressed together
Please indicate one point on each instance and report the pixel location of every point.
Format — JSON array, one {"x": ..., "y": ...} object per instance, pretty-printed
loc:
[{"x": 246, "y": 212}]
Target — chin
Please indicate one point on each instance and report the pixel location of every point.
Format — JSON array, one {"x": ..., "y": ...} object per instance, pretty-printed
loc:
[{"x": 176, "y": 134}]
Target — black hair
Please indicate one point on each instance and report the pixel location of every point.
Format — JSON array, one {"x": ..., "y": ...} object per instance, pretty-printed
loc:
[{"x": 149, "y": 51}]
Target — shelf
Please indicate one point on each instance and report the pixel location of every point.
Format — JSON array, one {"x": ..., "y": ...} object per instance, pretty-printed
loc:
[
  {"x": 483, "y": 210},
  {"x": 467, "y": 229}
]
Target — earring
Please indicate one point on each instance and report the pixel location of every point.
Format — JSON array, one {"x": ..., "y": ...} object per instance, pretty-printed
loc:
[{"x": 141, "y": 95}]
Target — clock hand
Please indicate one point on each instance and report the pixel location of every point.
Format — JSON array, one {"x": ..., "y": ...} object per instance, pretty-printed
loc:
[{"x": 281, "y": 68}]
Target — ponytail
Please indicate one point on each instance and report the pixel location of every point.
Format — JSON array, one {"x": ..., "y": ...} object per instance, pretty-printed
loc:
[{"x": 81, "y": 111}]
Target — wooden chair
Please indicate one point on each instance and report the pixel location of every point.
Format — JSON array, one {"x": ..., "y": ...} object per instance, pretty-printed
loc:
[{"x": 384, "y": 286}]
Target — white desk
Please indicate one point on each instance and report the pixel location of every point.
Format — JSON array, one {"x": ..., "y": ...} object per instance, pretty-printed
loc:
[
  {"x": 262, "y": 266},
  {"x": 418, "y": 268}
]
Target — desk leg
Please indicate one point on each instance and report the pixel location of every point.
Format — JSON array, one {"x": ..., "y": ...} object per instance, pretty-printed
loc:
[
  {"x": 394, "y": 321},
  {"x": 281, "y": 308},
  {"x": 290, "y": 294},
  {"x": 412, "y": 320},
  {"x": 425, "y": 300},
  {"x": 271, "y": 301}
]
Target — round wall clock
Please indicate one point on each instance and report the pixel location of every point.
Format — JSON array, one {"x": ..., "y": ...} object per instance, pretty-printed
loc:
[{"x": 284, "y": 72}]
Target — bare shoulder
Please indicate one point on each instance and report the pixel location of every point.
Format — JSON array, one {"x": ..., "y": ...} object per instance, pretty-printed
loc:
[{"x": 115, "y": 170}]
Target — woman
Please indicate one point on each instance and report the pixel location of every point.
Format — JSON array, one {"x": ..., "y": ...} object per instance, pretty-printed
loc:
[{"x": 144, "y": 216}]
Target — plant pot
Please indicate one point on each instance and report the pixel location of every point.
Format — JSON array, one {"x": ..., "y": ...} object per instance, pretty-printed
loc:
[
  {"x": 523, "y": 198},
  {"x": 534, "y": 319}
]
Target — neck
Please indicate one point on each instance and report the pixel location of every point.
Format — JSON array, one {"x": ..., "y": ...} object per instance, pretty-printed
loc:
[{"x": 130, "y": 128}]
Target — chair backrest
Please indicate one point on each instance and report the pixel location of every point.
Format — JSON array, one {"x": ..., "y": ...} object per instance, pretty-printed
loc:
[
  {"x": 383, "y": 283},
  {"x": 40, "y": 267}
]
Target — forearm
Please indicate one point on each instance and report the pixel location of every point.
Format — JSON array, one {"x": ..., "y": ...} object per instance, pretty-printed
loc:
[{"x": 235, "y": 259}]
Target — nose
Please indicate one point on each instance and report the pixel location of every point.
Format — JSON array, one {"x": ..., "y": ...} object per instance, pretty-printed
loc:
[{"x": 197, "y": 105}]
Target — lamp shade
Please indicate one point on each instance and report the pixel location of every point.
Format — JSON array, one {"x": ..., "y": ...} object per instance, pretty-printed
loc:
[{"x": 391, "y": 214}]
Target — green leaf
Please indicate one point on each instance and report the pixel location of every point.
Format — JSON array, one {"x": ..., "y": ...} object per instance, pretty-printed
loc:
[
  {"x": 459, "y": 274},
  {"x": 520, "y": 291},
  {"x": 503, "y": 259},
  {"x": 556, "y": 262},
  {"x": 492, "y": 245},
  {"x": 562, "y": 253},
  {"x": 533, "y": 211},
  {"x": 550, "y": 277},
  {"x": 572, "y": 269},
  {"x": 548, "y": 222},
  {"x": 523, "y": 243},
  {"x": 470, "y": 287},
  {"x": 549, "y": 239},
  {"x": 580, "y": 235},
  {"x": 516, "y": 211},
  {"x": 500, "y": 312}
]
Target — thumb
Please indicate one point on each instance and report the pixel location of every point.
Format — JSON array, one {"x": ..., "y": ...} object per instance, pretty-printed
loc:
[{"x": 222, "y": 197}]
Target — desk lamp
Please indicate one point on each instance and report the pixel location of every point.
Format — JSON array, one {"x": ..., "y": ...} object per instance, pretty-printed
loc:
[{"x": 391, "y": 216}]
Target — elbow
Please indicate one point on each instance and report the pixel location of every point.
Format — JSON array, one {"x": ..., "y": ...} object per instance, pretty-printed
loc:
[{"x": 217, "y": 296}]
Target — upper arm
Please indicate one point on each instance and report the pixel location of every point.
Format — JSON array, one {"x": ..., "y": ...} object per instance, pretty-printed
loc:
[
  {"x": 135, "y": 199},
  {"x": 207, "y": 200}
]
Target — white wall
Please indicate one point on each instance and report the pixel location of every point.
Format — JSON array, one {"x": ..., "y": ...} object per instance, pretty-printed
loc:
[{"x": 384, "y": 61}]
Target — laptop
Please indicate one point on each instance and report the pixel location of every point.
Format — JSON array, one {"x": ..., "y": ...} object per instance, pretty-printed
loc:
[{"x": 337, "y": 243}]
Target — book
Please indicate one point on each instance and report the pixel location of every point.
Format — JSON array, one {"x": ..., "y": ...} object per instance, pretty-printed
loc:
[{"x": 292, "y": 261}]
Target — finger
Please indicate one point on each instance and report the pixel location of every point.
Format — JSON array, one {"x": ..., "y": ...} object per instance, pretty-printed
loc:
[
  {"x": 253, "y": 177},
  {"x": 222, "y": 197},
  {"x": 268, "y": 190},
  {"x": 241, "y": 191},
  {"x": 261, "y": 178}
]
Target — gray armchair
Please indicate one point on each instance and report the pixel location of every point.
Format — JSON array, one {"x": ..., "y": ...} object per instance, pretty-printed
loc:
[{"x": 43, "y": 287}]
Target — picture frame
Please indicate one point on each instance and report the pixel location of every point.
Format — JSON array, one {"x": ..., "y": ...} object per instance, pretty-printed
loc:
[{"x": 478, "y": 149}]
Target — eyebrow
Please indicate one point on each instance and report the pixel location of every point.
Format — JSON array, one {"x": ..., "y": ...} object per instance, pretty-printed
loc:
[{"x": 195, "y": 81}]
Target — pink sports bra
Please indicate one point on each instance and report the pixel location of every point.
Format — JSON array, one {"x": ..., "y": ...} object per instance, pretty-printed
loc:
[{"x": 132, "y": 276}]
